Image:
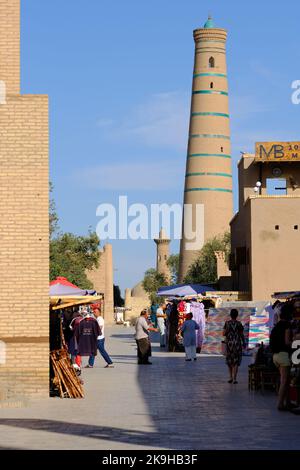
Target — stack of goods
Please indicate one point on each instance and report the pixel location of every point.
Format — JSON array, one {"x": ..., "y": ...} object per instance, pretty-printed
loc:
[{"x": 65, "y": 379}]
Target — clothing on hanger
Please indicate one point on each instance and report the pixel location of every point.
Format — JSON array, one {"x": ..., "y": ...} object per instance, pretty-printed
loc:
[
  {"x": 198, "y": 311},
  {"x": 86, "y": 335}
]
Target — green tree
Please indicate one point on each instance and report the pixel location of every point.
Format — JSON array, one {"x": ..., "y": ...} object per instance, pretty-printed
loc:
[
  {"x": 153, "y": 280},
  {"x": 173, "y": 264},
  {"x": 204, "y": 269},
  {"x": 71, "y": 256},
  {"x": 53, "y": 217}
]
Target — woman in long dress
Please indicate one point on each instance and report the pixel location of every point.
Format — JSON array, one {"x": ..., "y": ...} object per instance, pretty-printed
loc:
[{"x": 235, "y": 341}]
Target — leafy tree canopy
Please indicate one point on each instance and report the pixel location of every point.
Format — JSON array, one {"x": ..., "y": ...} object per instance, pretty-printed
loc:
[
  {"x": 204, "y": 268},
  {"x": 173, "y": 264},
  {"x": 71, "y": 255},
  {"x": 53, "y": 217},
  {"x": 153, "y": 280}
]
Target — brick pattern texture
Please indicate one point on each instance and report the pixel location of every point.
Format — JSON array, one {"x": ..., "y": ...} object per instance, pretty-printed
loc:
[{"x": 24, "y": 223}]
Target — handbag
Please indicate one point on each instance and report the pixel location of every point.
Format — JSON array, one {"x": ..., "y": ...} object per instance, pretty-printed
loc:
[{"x": 224, "y": 348}]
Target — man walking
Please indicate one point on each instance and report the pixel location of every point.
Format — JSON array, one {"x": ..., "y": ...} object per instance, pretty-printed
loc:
[
  {"x": 100, "y": 343},
  {"x": 142, "y": 329}
]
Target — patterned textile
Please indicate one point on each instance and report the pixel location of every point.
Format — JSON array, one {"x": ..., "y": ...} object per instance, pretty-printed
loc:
[
  {"x": 255, "y": 328},
  {"x": 259, "y": 329},
  {"x": 234, "y": 332},
  {"x": 179, "y": 337}
]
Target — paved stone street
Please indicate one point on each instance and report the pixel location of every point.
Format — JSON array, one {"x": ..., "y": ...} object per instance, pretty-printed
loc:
[{"x": 169, "y": 405}]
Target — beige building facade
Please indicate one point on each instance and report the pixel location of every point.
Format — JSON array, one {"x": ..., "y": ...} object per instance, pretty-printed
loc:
[
  {"x": 266, "y": 230},
  {"x": 24, "y": 224},
  {"x": 102, "y": 279},
  {"x": 136, "y": 300},
  {"x": 163, "y": 254},
  {"x": 208, "y": 179}
]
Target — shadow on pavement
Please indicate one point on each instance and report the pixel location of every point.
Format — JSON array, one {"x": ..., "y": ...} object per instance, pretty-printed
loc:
[
  {"x": 95, "y": 432},
  {"x": 191, "y": 407},
  {"x": 124, "y": 337}
]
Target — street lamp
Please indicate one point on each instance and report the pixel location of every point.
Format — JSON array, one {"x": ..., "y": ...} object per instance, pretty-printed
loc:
[{"x": 257, "y": 189}]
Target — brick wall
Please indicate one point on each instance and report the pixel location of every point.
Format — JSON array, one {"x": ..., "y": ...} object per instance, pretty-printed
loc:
[
  {"x": 24, "y": 224},
  {"x": 10, "y": 45}
]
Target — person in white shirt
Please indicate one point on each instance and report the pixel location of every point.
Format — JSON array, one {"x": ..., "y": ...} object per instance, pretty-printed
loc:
[
  {"x": 161, "y": 316},
  {"x": 142, "y": 329},
  {"x": 100, "y": 343}
]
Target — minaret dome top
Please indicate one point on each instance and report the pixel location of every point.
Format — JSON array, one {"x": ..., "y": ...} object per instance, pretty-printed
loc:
[{"x": 209, "y": 23}]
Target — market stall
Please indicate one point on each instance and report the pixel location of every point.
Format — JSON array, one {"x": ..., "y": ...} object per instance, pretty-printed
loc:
[
  {"x": 183, "y": 299},
  {"x": 263, "y": 373},
  {"x": 293, "y": 298},
  {"x": 255, "y": 322},
  {"x": 66, "y": 300}
]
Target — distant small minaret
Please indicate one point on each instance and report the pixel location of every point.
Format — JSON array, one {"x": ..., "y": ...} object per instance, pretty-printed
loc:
[{"x": 163, "y": 243}]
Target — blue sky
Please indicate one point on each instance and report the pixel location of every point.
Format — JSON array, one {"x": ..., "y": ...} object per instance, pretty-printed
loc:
[{"x": 119, "y": 75}]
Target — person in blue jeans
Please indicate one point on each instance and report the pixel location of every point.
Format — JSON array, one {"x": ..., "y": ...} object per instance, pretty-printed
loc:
[{"x": 100, "y": 343}]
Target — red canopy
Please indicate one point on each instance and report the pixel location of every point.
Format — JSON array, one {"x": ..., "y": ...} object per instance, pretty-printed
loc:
[{"x": 63, "y": 281}]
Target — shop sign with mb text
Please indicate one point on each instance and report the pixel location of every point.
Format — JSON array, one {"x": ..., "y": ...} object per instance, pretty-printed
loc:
[{"x": 277, "y": 151}]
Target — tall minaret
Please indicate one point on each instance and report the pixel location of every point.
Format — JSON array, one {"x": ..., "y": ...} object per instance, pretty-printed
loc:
[
  {"x": 208, "y": 179},
  {"x": 163, "y": 254}
]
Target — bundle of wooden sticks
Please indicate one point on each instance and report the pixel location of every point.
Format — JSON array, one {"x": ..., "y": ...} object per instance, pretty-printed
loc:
[{"x": 65, "y": 378}]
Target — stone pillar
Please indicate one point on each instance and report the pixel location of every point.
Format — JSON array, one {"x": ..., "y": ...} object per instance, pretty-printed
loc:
[
  {"x": 224, "y": 274},
  {"x": 222, "y": 266},
  {"x": 127, "y": 298},
  {"x": 102, "y": 279},
  {"x": 109, "y": 285},
  {"x": 162, "y": 255},
  {"x": 128, "y": 304}
]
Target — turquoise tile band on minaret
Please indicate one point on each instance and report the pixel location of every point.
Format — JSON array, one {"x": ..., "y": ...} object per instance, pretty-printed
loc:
[
  {"x": 209, "y": 189},
  {"x": 225, "y": 175},
  {"x": 196, "y": 75},
  {"x": 209, "y": 136},
  {"x": 210, "y": 92},
  {"x": 211, "y": 114},
  {"x": 209, "y": 155}
]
